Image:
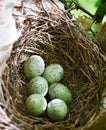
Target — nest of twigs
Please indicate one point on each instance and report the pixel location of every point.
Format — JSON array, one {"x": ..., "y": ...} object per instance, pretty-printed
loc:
[{"x": 62, "y": 42}]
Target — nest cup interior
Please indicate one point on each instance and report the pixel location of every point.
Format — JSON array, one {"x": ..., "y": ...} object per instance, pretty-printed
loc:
[{"x": 64, "y": 44}]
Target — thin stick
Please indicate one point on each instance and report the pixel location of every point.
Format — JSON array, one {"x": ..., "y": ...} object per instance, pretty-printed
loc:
[{"x": 81, "y": 8}]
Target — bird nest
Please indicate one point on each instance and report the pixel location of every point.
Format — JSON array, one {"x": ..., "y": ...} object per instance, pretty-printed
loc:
[{"x": 62, "y": 42}]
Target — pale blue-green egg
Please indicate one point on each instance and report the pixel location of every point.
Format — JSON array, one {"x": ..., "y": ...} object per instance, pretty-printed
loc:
[
  {"x": 57, "y": 109},
  {"x": 59, "y": 90},
  {"x": 36, "y": 104},
  {"x": 34, "y": 66},
  {"x": 53, "y": 73},
  {"x": 38, "y": 85}
]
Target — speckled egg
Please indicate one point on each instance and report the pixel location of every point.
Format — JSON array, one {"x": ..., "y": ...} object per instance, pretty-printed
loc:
[
  {"x": 34, "y": 66},
  {"x": 57, "y": 109},
  {"x": 53, "y": 73},
  {"x": 36, "y": 104},
  {"x": 38, "y": 85},
  {"x": 59, "y": 90}
]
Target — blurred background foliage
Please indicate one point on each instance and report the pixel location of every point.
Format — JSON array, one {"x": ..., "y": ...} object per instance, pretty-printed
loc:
[{"x": 86, "y": 18}]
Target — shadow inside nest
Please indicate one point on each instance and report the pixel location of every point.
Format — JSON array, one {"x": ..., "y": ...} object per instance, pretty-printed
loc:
[{"x": 64, "y": 44}]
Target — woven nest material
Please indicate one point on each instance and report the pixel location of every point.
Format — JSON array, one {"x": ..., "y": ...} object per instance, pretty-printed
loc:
[{"x": 62, "y": 42}]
